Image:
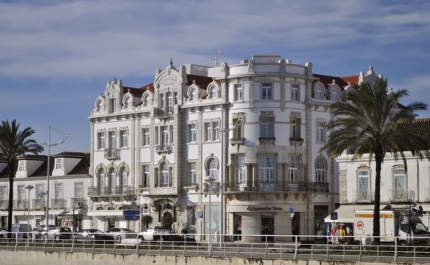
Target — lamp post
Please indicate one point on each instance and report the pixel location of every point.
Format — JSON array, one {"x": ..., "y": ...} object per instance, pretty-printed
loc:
[
  {"x": 218, "y": 129},
  {"x": 213, "y": 188},
  {"x": 29, "y": 188},
  {"x": 49, "y": 144}
]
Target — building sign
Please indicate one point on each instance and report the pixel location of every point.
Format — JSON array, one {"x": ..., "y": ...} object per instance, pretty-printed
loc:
[{"x": 267, "y": 208}]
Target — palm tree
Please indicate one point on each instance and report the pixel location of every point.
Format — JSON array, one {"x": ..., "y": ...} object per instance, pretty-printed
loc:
[
  {"x": 14, "y": 143},
  {"x": 371, "y": 120}
]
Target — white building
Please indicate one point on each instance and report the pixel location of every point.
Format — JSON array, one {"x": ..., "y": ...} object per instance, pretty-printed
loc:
[
  {"x": 401, "y": 187},
  {"x": 69, "y": 179},
  {"x": 158, "y": 143}
]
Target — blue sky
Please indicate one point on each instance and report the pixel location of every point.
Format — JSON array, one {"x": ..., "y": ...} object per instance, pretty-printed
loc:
[{"x": 57, "y": 56}]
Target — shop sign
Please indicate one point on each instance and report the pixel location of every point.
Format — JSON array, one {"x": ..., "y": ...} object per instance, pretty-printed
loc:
[{"x": 266, "y": 208}]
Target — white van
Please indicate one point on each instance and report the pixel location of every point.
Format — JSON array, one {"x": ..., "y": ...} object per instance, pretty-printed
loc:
[{"x": 21, "y": 230}]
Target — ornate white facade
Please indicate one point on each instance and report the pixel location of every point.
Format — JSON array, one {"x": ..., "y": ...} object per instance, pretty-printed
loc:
[{"x": 157, "y": 143}]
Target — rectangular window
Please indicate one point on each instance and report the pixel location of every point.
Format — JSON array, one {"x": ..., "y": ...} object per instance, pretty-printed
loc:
[
  {"x": 3, "y": 193},
  {"x": 58, "y": 163},
  {"x": 162, "y": 100},
  {"x": 79, "y": 191},
  {"x": 192, "y": 174},
  {"x": 320, "y": 132},
  {"x": 112, "y": 139},
  {"x": 267, "y": 169},
  {"x": 208, "y": 131},
  {"x": 192, "y": 136},
  {"x": 363, "y": 185},
  {"x": 240, "y": 169},
  {"x": 293, "y": 171},
  {"x": 58, "y": 191},
  {"x": 124, "y": 138},
  {"x": 238, "y": 92},
  {"x": 295, "y": 129},
  {"x": 112, "y": 102},
  {"x": 21, "y": 192},
  {"x": 266, "y": 91},
  {"x": 216, "y": 133},
  {"x": 267, "y": 127},
  {"x": 39, "y": 189},
  {"x": 295, "y": 92},
  {"x": 145, "y": 178},
  {"x": 21, "y": 165},
  {"x": 146, "y": 136},
  {"x": 169, "y": 100},
  {"x": 164, "y": 135},
  {"x": 101, "y": 140}
]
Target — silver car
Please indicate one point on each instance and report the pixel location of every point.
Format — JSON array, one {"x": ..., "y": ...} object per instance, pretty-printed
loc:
[
  {"x": 58, "y": 233},
  {"x": 119, "y": 233}
]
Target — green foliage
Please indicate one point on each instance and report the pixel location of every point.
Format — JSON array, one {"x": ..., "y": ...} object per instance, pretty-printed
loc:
[
  {"x": 147, "y": 220},
  {"x": 167, "y": 221}
]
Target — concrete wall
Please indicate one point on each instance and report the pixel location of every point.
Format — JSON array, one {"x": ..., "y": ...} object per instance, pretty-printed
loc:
[{"x": 56, "y": 258}]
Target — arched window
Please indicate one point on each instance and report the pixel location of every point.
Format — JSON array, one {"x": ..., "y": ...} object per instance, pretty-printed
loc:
[
  {"x": 100, "y": 106},
  {"x": 212, "y": 169},
  {"x": 124, "y": 180},
  {"x": 101, "y": 177},
  {"x": 334, "y": 95},
  {"x": 112, "y": 178},
  {"x": 193, "y": 94},
  {"x": 400, "y": 192},
  {"x": 363, "y": 185},
  {"x": 318, "y": 93},
  {"x": 147, "y": 100},
  {"x": 320, "y": 171},
  {"x": 213, "y": 93},
  {"x": 164, "y": 175},
  {"x": 129, "y": 103}
]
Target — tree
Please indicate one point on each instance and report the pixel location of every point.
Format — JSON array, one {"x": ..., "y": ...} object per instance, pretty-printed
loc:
[
  {"x": 14, "y": 143},
  {"x": 372, "y": 121},
  {"x": 147, "y": 220},
  {"x": 167, "y": 221}
]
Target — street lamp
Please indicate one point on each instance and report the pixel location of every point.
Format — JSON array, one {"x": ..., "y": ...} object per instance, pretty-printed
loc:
[
  {"x": 212, "y": 188},
  {"x": 218, "y": 129},
  {"x": 49, "y": 144},
  {"x": 29, "y": 188}
]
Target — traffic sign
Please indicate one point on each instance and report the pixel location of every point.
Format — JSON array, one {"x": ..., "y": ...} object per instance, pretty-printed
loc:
[
  {"x": 333, "y": 215},
  {"x": 291, "y": 210},
  {"x": 200, "y": 215},
  {"x": 131, "y": 212}
]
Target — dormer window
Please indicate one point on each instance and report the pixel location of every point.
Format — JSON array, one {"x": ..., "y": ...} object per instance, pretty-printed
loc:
[
  {"x": 21, "y": 165},
  {"x": 147, "y": 100},
  {"x": 128, "y": 103},
  {"x": 334, "y": 95},
  {"x": 194, "y": 95},
  {"x": 58, "y": 163},
  {"x": 213, "y": 92},
  {"x": 318, "y": 93},
  {"x": 112, "y": 106}
]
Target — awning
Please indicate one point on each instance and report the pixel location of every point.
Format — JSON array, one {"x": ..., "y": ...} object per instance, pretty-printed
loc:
[
  {"x": 22, "y": 213},
  {"x": 106, "y": 213},
  {"x": 345, "y": 213}
]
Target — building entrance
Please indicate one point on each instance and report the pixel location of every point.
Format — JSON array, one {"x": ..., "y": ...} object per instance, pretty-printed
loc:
[{"x": 267, "y": 228}]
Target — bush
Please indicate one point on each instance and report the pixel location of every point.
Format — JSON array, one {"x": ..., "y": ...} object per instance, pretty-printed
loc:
[{"x": 167, "y": 221}]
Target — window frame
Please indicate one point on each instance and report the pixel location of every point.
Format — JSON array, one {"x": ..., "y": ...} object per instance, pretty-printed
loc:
[
  {"x": 295, "y": 92},
  {"x": 266, "y": 91},
  {"x": 293, "y": 169},
  {"x": 320, "y": 131},
  {"x": 238, "y": 92}
]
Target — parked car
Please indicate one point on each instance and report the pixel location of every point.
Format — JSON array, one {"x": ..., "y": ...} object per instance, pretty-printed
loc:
[
  {"x": 3, "y": 233},
  {"x": 57, "y": 233},
  {"x": 94, "y": 235},
  {"x": 154, "y": 233},
  {"x": 119, "y": 233},
  {"x": 38, "y": 230},
  {"x": 21, "y": 230}
]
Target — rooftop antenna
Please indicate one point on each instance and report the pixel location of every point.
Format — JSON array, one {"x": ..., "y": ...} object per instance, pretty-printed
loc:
[{"x": 215, "y": 59}]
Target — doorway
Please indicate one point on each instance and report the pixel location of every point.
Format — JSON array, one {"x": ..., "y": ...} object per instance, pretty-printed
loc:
[
  {"x": 295, "y": 225},
  {"x": 267, "y": 227}
]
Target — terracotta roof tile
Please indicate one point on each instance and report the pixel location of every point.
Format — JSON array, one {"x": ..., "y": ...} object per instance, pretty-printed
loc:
[{"x": 419, "y": 127}]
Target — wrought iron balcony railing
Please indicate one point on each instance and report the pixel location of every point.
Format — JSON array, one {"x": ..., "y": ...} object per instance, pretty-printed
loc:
[
  {"x": 78, "y": 202},
  {"x": 270, "y": 139},
  {"x": 58, "y": 203},
  {"x": 401, "y": 195},
  {"x": 272, "y": 185},
  {"x": 363, "y": 196},
  {"x": 112, "y": 153},
  {"x": 21, "y": 204},
  {"x": 163, "y": 148},
  {"x": 111, "y": 191},
  {"x": 38, "y": 203},
  {"x": 4, "y": 204}
]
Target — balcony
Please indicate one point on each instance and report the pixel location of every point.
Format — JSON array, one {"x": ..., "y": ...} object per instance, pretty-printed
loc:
[
  {"x": 38, "y": 203},
  {"x": 401, "y": 195},
  {"x": 265, "y": 139},
  {"x": 234, "y": 141},
  {"x": 111, "y": 192},
  {"x": 78, "y": 202},
  {"x": 269, "y": 186},
  {"x": 58, "y": 203},
  {"x": 4, "y": 204},
  {"x": 163, "y": 148},
  {"x": 296, "y": 140},
  {"x": 163, "y": 113},
  {"x": 21, "y": 204},
  {"x": 112, "y": 153},
  {"x": 363, "y": 196}
]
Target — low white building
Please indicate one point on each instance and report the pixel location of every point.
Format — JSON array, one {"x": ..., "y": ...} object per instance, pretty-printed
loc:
[
  {"x": 68, "y": 203},
  {"x": 158, "y": 143}
]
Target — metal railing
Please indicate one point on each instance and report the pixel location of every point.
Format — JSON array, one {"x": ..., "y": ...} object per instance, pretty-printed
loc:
[
  {"x": 271, "y": 185},
  {"x": 21, "y": 204},
  {"x": 4, "y": 204},
  {"x": 286, "y": 247},
  {"x": 78, "y": 202},
  {"x": 58, "y": 203},
  {"x": 116, "y": 190},
  {"x": 38, "y": 203}
]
